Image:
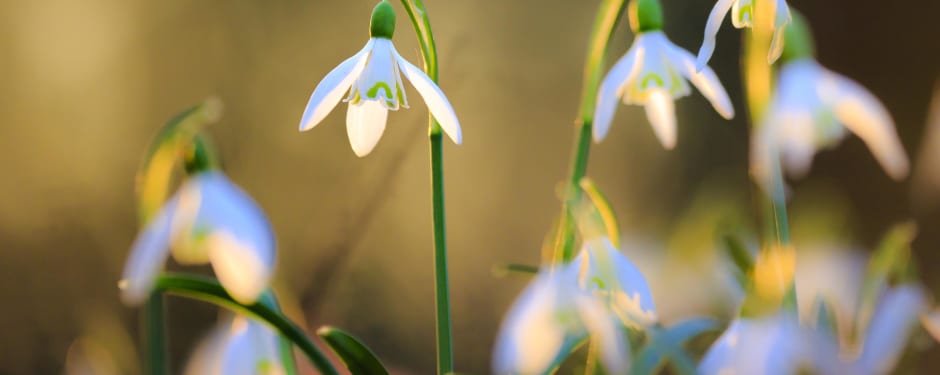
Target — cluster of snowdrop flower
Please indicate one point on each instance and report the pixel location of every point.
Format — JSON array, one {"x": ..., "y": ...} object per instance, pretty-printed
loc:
[{"x": 598, "y": 294}]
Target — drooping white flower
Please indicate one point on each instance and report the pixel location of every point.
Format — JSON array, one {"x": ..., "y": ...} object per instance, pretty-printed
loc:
[
  {"x": 550, "y": 316},
  {"x": 237, "y": 346},
  {"x": 653, "y": 73},
  {"x": 208, "y": 220},
  {"x": 608, "y": 274},
  {"x": 742, "y": 15},
  {"x": 889, "y": 330},
  {"x": 768, "y": 345},
  {"x": 373, "y": 79},
  {"x": 811, "y": 109}
]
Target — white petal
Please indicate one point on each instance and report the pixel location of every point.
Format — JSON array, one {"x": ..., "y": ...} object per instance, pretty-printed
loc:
[
  {"x": 931, "y": 322},
  {"x": 365, "y": 123},
  {"x": 704, "y": 78},
  {"x": 207, "y": 358},
  {"x": 149, "y": 252},
  {"x": 604, "y": 330},
  {"x": 891, "y": 326},
  {"x": 437, "y": 103},
  {"x": 717, "y": 15},
  {"x": 330, "y": 90},
  {"x": 379, "y": 79},
  {"x": 248, "y": 350},
  {"x": 781, "y": 19},
  {"x": 662, "y": 116},
  {"x": 629, "y": 293},
  {"x": 240, "y": 242},
  {"x": 720, "y": 356},
  {"x": 797, "y": 142},
  {"x": 609, "y": 91},
  {"x": 864, "y": 115},
  {"x": 187, "y": 247},
  {"x": 742, "y": 14}
]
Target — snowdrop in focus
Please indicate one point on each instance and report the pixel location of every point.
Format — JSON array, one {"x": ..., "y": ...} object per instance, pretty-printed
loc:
[
  {"x": 373, "y": 78},
  {"x": 653, "y": 73},
  {"x": 742, "y": 15}
]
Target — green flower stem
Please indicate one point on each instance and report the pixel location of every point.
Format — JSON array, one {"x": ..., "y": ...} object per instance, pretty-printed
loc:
[
  {"x": 758, "y": 78},
  {"x": 155, "y": 336},
  {"x": 608, "y": 15},
  {"x": 445, "y": 353},
  {"x": 208, "y": 290}
]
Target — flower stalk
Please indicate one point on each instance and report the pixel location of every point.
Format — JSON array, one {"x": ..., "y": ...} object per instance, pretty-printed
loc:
[
  {"x": 445, "y": 356},
  {"x": 155, "y": 335}
]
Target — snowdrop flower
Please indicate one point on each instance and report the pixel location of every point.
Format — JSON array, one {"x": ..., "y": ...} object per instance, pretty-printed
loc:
[
  {"x": 811, "y": 109},
  {"x": 237, "y": 346},
  {"x": 653, "y": 73},
  {"x": 742, "y": 15},
  {"x": 373, "y": 78},
  {"x": 548, "y": 319},
  {"x": 208, "y": 220},
  {"x": 768, "y": 345},
  {"x": 891, "y": 326},
  {"x": 609, "y": 275}
]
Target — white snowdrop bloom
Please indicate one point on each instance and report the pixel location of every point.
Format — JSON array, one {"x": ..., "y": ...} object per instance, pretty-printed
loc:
[
  {"x": 237, "y": 346},
  {"x": 208, "y": 220},
  {"x": 771, "y": 345},
  {"x": 551, "y": 316},
  {"x": 610, "y": 275},
  {"x": 742, "y": 15},
  {"x": 892, "y": 323},
  {"x": 653, "y": 73},
  {"x": 373, "y": 79},
  {"x": 810, "y": 110}
]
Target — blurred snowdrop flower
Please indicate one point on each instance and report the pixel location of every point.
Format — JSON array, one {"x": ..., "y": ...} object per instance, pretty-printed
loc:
[
  {"x": 211, "y": 220},
  {"x": 549, "y": 318},
  {"x": 812, "y": 109},
  {"x": 889, "y": 330},
  {"x": 742, "y": 15},
  {"x": 609, "y": 275},
  {"x": 237, "y": 346},
  {"x": 767, "y": 345},
  {"x": 653, "y": 73},
  {"x": 373, "y": 78}
]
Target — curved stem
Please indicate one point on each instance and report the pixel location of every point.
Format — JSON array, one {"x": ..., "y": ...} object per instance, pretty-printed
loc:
[
  {"x": 155, "y": 336},
  {"x": 608, "y": 15},
  {"x": 445, "y": 357},
  {"x": 208, "y": 290}
]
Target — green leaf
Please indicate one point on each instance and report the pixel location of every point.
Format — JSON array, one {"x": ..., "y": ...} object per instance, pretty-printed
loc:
[
  {"x": 357, "y": 357},
  {"x": 505, "y": 269}
]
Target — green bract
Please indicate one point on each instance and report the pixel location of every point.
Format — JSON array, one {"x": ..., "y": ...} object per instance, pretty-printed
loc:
[
  {"x": 383, "y": 21},
  {"x": 645, "y": 15},
  {"x": 799, "y": 39},
  {"x": 200, "y": 156}
]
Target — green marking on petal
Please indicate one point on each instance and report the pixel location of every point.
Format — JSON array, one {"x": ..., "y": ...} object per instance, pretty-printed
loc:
[
  {"x": 652, "y": 76},
  {"x": 265, "y": 366},
  {"x": 598, "y": 282},
  {"x": 745, "y": 11},
  {"x": 373, "y": 92}
]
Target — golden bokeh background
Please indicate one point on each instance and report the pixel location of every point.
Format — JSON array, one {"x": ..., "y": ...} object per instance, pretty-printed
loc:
[{"x": 84, "y": 85}]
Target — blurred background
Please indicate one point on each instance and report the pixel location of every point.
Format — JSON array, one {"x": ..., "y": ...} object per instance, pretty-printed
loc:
[{"x": 84, "y": 85}]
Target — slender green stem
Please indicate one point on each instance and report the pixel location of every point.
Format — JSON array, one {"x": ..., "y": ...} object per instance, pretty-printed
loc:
[
  {"x": 608, "y": 15},
  {"x": 445, "y": 356},
  {"x": 155, "y": 335},
  {"x": 208, "y": 290}
]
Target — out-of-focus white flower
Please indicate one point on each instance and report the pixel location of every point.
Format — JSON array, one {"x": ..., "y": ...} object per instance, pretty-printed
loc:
[
  {"x": 886, "y": 337},
  {"x": 208, "y": 220},
  {"x": 609, "y": 275},
  {"x": 742, "y": 15},
  {"x": 552, "y": 315},
  {"x": 767, "y": 345},
  {"x": 653, "y": 73},
  {"x": 237, "y": 346},
  {"x": 373, "y": 78},
  {"x": 810, "y": 110},
  {"x": 926, "y": 178}
]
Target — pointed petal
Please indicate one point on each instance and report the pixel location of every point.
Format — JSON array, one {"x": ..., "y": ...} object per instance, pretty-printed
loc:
[
  {"x": 704, "y": 78},
  {"x": 437, "y": 103},
  {"x": 610, "y": 270},
  {"x": 782, "y": 18},
  {"x": 711, "y": 32},
  {"x": 365, "y": 123},
  {"x": 661, "y": 113},
  {"x": 931, "y": 322},
  {"x": 248, "y": 350},
  {"x": 240, "y": 267},
  {"x": 742, "y": 14},
  {"x": 603, "y": 328},
  {"x": 149, "y": 252},
  {"x": 719, "y": 358},
  {"x": 608, "y": 93},
  {"x": 531, "y": 337},
  {"x": 864, "y": 115},
  {"x": 890, "y": 329},
  {"x": 330, "y": 90}
]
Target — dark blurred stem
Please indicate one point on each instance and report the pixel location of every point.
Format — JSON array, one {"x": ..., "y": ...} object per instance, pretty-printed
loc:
[
  {"x": 605, "y": 22},
  {"x": 155, "y": 335},
  {"x": 445, "y": 354}
]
